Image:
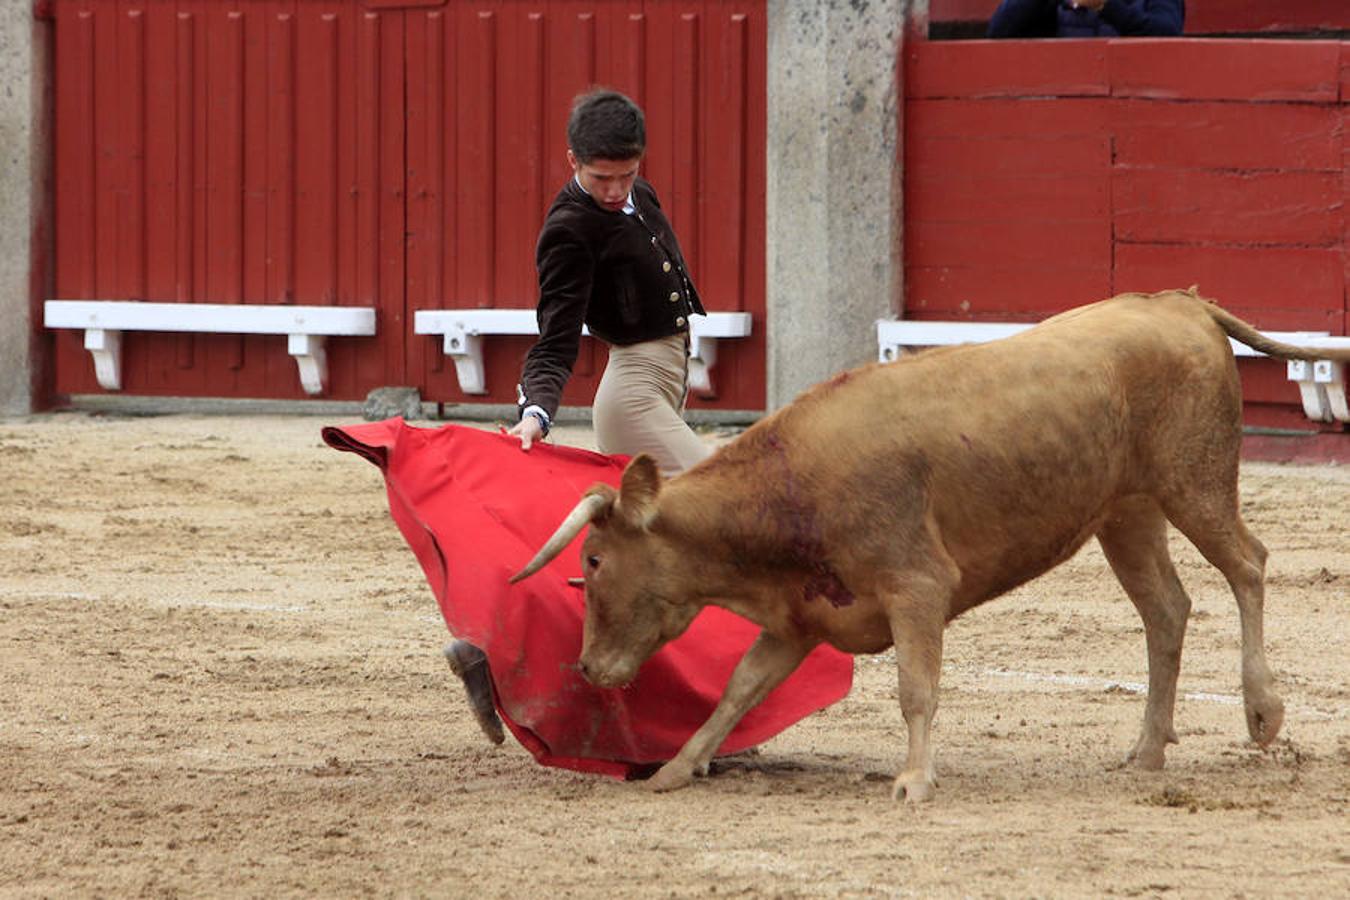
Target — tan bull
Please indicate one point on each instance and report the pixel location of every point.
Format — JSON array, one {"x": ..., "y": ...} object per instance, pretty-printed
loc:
[{"x": 882, "y": 504}]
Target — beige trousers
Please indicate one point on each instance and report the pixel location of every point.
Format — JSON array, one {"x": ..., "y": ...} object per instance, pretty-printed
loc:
[{"x": 640, "y": 401}]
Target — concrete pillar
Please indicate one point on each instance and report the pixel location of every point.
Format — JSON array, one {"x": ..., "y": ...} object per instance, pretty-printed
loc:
[
  {"x": 834, "y": 188},
  {"x": 25, "y": 240}
]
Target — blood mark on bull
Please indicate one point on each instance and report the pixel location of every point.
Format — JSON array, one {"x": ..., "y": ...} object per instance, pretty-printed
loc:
[{"x": 800, "y": 530}]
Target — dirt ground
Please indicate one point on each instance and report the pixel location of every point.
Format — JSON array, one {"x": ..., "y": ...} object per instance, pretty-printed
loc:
[{"x": 221, "y": 676}]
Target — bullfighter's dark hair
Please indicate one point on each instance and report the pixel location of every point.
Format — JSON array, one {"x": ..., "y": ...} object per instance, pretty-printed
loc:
[{"x": 605, "y": 124}]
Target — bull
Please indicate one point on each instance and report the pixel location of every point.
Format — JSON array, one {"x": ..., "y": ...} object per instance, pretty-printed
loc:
[{"x": 882, "y": 504}]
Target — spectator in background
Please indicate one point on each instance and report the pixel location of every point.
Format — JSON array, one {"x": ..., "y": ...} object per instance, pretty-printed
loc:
[{"x": 1087, "y": 18}]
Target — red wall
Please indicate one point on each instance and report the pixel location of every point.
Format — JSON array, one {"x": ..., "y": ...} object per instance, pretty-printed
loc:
[
  {"x": 221, "y": 152},
  {"x": 1040, "y": 175},
  {"x": 390, "y": 153},
  {"x": 490, "y": 88}
]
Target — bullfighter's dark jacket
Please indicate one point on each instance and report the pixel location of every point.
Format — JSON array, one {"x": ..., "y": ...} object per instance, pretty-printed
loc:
[{"x": 621, "y": 274}]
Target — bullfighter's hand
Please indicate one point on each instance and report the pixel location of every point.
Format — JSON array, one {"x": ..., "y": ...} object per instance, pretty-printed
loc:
[{"x": 528, "y": 430}]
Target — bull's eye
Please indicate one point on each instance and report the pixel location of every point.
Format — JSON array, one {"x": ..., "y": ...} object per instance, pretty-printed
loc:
[{"x": 593, "y": 562}]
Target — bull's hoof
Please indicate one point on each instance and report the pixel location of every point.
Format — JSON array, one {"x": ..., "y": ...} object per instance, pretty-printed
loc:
[
  {"x": 1264, "y": 718},
  {"x": 670, "y": 777},
  {"x": 1150, "y": 755},
  {"x": 1149, "y": 759},
  {"x": 913, "y": 787}
]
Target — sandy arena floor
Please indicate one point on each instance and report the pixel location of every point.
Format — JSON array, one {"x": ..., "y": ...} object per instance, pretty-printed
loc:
[{"x": 221, "y": 677}]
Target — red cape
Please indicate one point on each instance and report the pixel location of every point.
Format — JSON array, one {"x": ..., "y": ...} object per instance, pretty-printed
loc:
[{"x": 474, "y": 509}]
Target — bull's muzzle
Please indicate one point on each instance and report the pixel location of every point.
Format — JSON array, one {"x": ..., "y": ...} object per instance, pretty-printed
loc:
[{"x": 610, "y": 673}]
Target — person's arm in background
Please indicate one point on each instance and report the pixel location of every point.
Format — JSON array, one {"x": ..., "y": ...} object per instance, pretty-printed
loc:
[
  {"x": 566, "y": 270},
  {"x": 1153, "y": 18},
  {"x": 1025, "y": 19}
]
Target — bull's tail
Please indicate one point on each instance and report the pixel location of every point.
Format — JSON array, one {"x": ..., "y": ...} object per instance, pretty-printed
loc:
[{"x": 1241, "y": 331}]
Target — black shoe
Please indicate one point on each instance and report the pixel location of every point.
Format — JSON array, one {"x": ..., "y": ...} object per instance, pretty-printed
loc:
[{"x": 470, "y": 664}]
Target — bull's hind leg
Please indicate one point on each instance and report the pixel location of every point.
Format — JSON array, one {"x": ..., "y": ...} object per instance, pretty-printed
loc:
[
  {"x": 916, "y": 607},
  {"x": 918, "y": 654},
  {"x": 1207, "y": 514},
  {"x": 1134, "y": 539}
]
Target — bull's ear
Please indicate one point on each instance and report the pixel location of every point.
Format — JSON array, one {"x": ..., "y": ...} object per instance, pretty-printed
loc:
[{"x": 637, "y": 492}]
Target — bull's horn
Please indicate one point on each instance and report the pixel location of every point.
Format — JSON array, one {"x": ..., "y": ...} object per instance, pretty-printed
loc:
[{"x": 581, "y": 515}]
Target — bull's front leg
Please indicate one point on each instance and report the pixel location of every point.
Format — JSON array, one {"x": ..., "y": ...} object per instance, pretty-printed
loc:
[{"x": 769, "y": 660}]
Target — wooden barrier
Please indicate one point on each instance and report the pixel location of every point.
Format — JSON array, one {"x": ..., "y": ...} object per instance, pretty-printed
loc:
[{"x": 1044, "y": 174}]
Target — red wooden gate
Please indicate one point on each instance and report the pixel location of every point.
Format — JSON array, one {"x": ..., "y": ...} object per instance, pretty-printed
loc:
[
  {"x": 389, "y": 153},
  {"x": 1044, "y": 174}
]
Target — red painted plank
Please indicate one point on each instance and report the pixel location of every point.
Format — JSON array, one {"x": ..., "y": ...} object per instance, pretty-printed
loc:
[
  {"x": 1345, "y": 198},
  {"x": 1006, "y": 117},
  {"x": 1287, "y": 319},
  {"x": 681, "y": 196},
  {"x": 373, "y": 75},
  {"x": 317, "y": 136},
  {"x": 391, "y": 285},
  {"x": 961, "y": 10},
  {"x": 739, "y": 373},
  {"x": 426, "y": 174},
  {"x": 659, "y": 96},
  {"x": 73, "y": 184},
  {"x": 1265, "y": 208},
  {"x": 225, "y": 184},
  {"x": 1345, "y": 71},
  {"x": 432, "y": 153},
  {"x": 224, "y": 124},
  {"x": 1305, "y": 281},
  {"x": 161, "y": 170},
  {"x": 998, "y": 156},
  {"x": 1198, "y": 69},
  {"x": 109, "y": 154},
  {"x": 629, "y": 50},
  {"x": 131, "y": 235},
  {"x": 1014, "y": 200},
  {"x": 1211, "y": 135},
  {"x": 521, "y": 142},
  {"x": 189, "y": 127},
  {"x": 379, "y": 119},
  {"x": 996, "y": 247},
  {"x": 352, "y": 78},
  {"x": 1000, "y": 295},
  {"x": 253, "y": 244},
  {"x": 1006, "y": 68},
  {"x": 723, "y": 194},
  {"x": 475, "y": 94},
  {"x": 1225, "y": 16},
  {"x": 281, "y": 163}
]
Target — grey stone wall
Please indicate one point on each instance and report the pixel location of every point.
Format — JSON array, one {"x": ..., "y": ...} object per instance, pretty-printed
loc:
[
  {"x": 834, "y": 186},
  {"x": 23, "y": 171}
]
